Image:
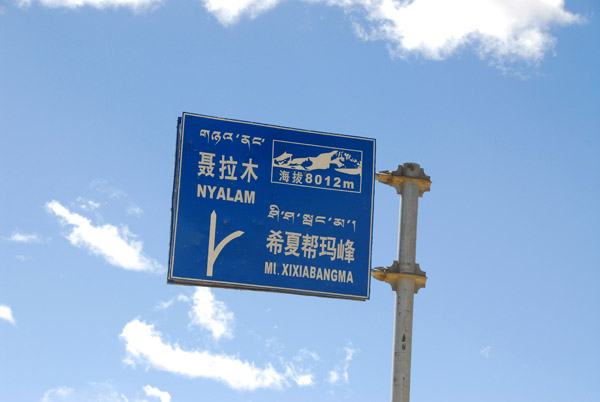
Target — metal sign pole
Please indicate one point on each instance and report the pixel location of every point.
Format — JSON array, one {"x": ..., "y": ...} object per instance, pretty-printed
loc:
[{"x": 405, "y": 276}]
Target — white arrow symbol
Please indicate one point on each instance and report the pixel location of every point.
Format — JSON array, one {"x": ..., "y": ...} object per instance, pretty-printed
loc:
[{"x": 213, "y": 252}]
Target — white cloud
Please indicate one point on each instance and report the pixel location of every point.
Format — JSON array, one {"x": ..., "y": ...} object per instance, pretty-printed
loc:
[
  {"x": 56, "y": 394},
  {"x": 274, "y": 346},
  {"x": 135, "y": 210},
  {"x": 305, "y": 354},
  {"x": 87, "y": 205},
  {"x": 229, "y": 12},
  {"x": 340, "y": 372},
  {"x": 206, "y": 312},
  {"x": 135, "y": 5},
  {"x": 211, "y": 314},
  {"x": 24, "y": 237},
  {"x": 303, "y": 380},
  {"x": 117, "y": 246},
  {"x": 105, "y": 187},
  {"x": 145, "y": 345},
  {"x": 164, "y": 305},
  {"x": 501, "y": 30},
  {"x": 301, "y": 372},
  {"x": 6, "y": 314},
  {"x": 485, "y": 352},
  {"x": 301, "y": 377},
  {"x": 436, "y": 29},
  {"x": 183, "y": 298},
  {"x": 504, "y": 30},
  {"x": 91, "y": 392},
  {"x": 162, "y": 395}
]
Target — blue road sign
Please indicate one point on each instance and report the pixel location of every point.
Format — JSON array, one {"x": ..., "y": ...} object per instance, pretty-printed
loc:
[{"x": 270, "y": 208}]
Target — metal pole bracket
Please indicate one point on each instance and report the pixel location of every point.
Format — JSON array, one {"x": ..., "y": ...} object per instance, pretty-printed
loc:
[
  {"x": 395, "y": 273},
  {"x": 407, "y": 172}
]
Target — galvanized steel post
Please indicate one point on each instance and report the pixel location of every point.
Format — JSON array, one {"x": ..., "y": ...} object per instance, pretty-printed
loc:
[{"x": 405, "y": 276}]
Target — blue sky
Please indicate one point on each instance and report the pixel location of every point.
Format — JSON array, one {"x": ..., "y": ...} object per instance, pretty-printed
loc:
[{"x": 498, "y": 101}]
